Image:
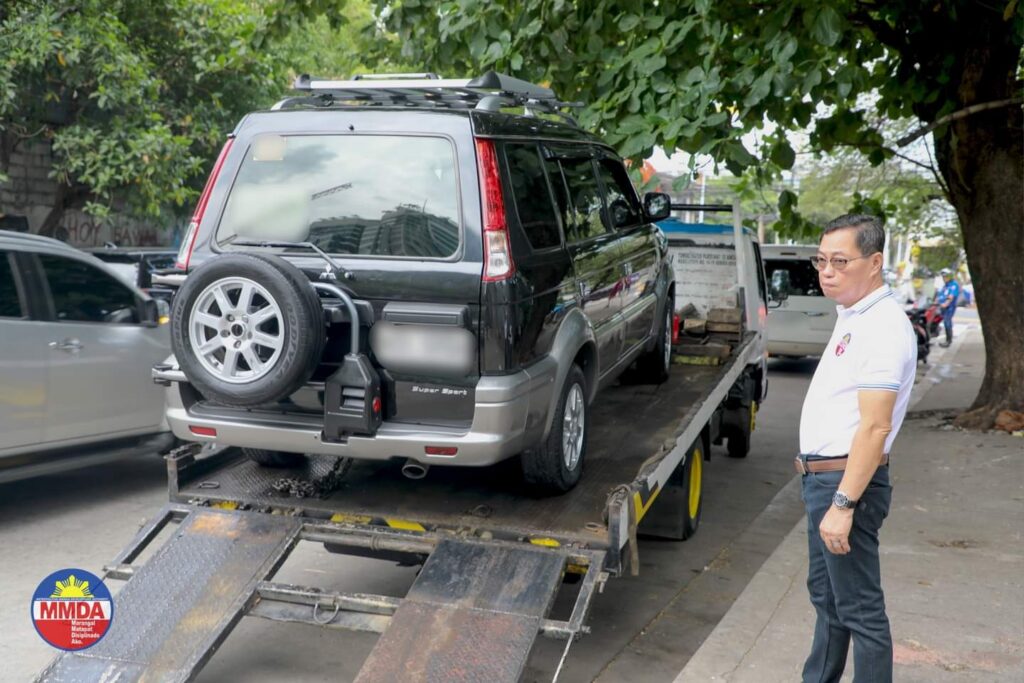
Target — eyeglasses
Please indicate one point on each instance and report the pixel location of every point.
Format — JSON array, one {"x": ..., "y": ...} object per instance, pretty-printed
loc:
[{"x": 838, "y": 263}]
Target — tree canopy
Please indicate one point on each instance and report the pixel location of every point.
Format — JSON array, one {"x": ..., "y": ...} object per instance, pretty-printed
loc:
[{"x": 700, "y": 75}]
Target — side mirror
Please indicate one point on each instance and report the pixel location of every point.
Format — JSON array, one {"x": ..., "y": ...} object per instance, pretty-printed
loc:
[
  {"x": 779, "y": 290},
  {"x": 657, "y": 206}
]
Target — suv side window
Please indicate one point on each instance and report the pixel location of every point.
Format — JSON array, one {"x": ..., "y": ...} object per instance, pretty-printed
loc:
[
  {"x": 82, "y": 293},
  {"x": 585, "y": 204},
  {"x": 10, "y": 303},
  {"x": 532, "y": 196},
  {"x": 623, "y": 206}
]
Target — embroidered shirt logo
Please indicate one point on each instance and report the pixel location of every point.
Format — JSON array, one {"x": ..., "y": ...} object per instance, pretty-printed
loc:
[{"x": 843, "y": 343}]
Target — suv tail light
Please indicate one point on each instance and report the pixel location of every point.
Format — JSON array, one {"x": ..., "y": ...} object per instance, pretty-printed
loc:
[
  {"x": 498, "y": 263},
  {"x": 189, "y": 241}
]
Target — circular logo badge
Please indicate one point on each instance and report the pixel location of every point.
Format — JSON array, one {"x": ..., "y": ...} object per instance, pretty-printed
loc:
[{"x": 72, "y": 609}]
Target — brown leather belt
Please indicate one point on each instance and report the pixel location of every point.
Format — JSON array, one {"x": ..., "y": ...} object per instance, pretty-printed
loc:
[{"x": 836, "y": 464}]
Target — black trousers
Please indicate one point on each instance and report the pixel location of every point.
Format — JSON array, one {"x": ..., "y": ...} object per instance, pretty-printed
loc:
[{"x": 846, "y": 590}]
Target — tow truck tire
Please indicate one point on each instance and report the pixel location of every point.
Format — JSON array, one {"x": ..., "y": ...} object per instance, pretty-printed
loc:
[
  {"x": 738, "y": 445},
  {"x": 654, "y": 366},
  {"x": 555, "y": 465},
  {"x": 282, "y": 310},
  {"x": 274, "y": 458},
  {"x": 693, "y": 484}
]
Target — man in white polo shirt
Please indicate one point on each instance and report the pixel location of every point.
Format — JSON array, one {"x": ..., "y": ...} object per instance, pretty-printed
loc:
[{"x": 853, "y": 410}]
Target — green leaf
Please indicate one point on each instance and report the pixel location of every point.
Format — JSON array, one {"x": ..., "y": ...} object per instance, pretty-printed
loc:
[
  {"x": 787, "y": 202},
  {"x": 827, "y": 27},
  {"x": 760, "y": 88},
  {"x": 783, "y": 155},
  {"x": 628, "y": 22}
]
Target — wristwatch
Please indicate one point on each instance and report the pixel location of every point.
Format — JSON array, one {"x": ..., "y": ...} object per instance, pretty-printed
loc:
[{"x": 843, "y": 502}]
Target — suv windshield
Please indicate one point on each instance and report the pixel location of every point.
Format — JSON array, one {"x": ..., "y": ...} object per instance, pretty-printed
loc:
[{"x": 368, "y": 195}]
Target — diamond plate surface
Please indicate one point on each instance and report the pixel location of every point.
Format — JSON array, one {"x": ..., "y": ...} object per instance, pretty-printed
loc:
[
  {"x": 514, "y": 580},
  {"x": 471, "y": 615},
  {"x": 179, "y": 605},
  {"x": 428, "y": 643}
]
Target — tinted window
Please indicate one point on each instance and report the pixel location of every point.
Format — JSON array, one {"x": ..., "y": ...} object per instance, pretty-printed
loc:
[
  {"x": 82, "y": 293},
  {"x": 584, "y": 200},
  {"x": 803, "y": 278},
  {"x": 10, "y": 304},
  {"x": 532, "y": 197},
  {"x": 623, "y": 207},
  {"x": 376, "y": 195}
]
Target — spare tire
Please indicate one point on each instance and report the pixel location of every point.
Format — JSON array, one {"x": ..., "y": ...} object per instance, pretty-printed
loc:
[{"x": 247, "y": 329}]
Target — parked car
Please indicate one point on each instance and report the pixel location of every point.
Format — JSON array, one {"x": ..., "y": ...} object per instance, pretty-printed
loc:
[
  {"x": 78, "y": 347},
  {"x": 803, "y": 323},
  {"x": 136, "y": 266},
  {"x": 501, "y": 269}
]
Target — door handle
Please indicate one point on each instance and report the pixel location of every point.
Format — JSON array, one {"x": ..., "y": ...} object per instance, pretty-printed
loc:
[
  {"x": 71, "y": 345},
  {"x": 814, "y": 314}
]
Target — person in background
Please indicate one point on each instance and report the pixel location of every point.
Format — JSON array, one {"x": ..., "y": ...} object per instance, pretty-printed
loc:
[{"x": 947, "y": 300}]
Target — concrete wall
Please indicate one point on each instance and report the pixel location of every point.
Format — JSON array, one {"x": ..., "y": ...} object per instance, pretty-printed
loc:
[{"x": 30, "y": 192}]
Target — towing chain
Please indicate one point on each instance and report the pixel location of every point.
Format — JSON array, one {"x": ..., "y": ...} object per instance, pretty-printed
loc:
[{"x": 320, "y": 487}]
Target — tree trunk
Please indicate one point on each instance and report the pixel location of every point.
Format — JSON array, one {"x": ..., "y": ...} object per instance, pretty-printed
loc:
[
  {"x": 981, "y": 158},
  {"x": 56, "y": 214}
]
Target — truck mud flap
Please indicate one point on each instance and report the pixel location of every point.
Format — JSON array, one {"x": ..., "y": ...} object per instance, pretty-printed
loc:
[
  {"x": 178, "y": 607},
  {"x": 472, "y": 614}
]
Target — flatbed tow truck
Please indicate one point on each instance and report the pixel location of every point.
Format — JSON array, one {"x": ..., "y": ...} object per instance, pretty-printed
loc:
[{"x": 494, "y": 558}]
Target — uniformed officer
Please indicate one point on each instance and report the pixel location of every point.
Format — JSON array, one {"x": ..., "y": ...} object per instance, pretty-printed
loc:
[
  {"x": 948, "y": 298},
  {"x": 853, "y": 410}
]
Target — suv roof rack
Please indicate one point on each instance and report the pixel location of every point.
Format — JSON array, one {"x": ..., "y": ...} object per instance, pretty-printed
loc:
[{"x": 490, "y": 92}]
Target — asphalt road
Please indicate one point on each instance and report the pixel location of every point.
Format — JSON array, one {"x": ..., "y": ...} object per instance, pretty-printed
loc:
[{"x": 644, "y": 628}]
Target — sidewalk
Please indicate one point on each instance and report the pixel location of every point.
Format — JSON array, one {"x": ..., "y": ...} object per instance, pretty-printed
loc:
[{"x": 952, "y": 556}]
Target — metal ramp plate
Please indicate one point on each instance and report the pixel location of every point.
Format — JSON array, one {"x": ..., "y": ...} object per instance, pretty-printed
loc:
[
  {"x": 471, "y": 615},
  {"x": 180, "y": 605}
]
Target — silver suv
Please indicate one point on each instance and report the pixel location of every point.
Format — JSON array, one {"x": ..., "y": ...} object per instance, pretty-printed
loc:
[{"x": 78, "y": 345}]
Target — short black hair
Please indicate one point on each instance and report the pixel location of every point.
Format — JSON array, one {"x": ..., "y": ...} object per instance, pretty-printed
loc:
[{"x": 870, "y": 233}]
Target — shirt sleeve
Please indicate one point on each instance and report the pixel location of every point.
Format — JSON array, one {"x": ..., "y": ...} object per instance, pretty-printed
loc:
[{"x": 882, "y": 366}]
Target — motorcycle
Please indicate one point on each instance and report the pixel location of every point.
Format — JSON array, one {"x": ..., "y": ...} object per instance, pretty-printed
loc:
[
  {"x": 919, "y": 321},
  {"x": 933, "y": 318}
]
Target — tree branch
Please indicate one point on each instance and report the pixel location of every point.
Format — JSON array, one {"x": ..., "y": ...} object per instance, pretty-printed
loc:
[{"x": 956, "y": 116}]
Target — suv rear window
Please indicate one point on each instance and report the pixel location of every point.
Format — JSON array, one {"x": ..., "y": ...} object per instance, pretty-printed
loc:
[
  {"x": 803, "y": 278},
  {"x": 10, "y": 303},
  {"x": 532, "y": 197},
  {"x": 367, "y": 195}
]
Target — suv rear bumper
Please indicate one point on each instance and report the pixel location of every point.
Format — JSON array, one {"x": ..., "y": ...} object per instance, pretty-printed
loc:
[{"x": 509, "y": 417}]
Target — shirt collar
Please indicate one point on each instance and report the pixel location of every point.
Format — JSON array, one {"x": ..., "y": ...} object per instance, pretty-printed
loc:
[{"x": 868, "y": 301}]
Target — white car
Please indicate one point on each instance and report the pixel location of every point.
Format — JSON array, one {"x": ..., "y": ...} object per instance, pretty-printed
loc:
[
  {"x": 78, "y": 346},
  {"x": 803, "y": 323}
]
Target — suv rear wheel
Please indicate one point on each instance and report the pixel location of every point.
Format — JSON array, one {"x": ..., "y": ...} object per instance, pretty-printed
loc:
[
  {"x": 654, "y": 366},
  {"x": 556, "y": 464},
  {"x": 247, "y": 329}
]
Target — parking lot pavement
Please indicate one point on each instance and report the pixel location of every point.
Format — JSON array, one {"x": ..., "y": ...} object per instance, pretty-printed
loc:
[{"x": 644, "y": 627}]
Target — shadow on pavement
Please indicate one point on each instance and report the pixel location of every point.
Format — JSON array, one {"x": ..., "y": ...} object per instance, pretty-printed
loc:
[{"x": 54, "y": 494}]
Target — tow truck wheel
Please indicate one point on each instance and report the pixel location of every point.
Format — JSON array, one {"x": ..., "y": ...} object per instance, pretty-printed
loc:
[
  {"x": 693, "y": 485},
  {"x": 247, "y": 329},
  {"x": 555, "y": 465},
  {"x": 274, "y": 458},
  {"x": 738, "y": 436}
]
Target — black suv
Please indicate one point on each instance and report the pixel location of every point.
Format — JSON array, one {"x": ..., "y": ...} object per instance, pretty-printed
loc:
[{"x": 499, "y": 266}]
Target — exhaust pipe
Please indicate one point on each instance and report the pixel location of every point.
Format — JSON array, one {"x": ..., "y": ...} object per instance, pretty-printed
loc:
[{"x": 414, "y": 470}]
